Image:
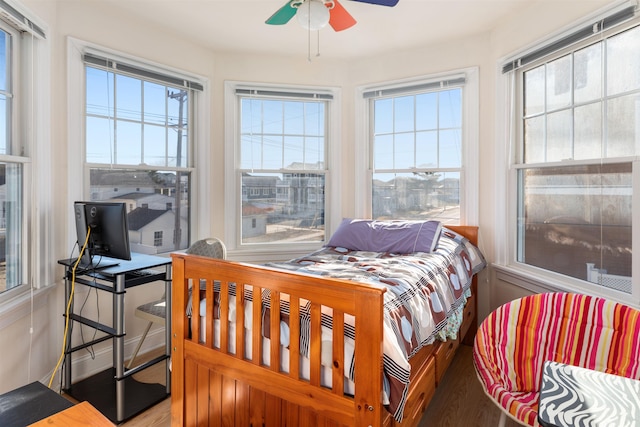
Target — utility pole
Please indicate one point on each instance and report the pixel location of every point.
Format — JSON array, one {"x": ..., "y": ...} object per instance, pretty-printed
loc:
[{"x": 181, "y": 96}]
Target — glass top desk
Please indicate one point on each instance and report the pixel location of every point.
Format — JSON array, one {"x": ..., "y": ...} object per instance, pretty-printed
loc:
[
  {"x": 572, "y": 396},
  {"x": 115, "y": 392}
]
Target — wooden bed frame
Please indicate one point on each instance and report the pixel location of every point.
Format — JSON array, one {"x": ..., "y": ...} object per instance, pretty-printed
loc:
[{"x": 215, "y": 387}]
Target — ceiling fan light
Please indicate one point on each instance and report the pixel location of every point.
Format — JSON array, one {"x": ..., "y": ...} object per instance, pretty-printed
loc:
[{"x": 313, "y": 15}]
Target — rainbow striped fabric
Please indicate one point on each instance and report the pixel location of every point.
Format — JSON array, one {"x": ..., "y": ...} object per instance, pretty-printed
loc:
[{"x": 515, "y": 340}]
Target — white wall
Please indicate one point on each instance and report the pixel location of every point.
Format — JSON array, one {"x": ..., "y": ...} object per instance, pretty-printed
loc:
[{"x": 96, "y": 23}]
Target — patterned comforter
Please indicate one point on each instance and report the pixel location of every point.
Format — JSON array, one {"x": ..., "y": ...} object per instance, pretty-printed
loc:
[{"x": 425, "y": 297}]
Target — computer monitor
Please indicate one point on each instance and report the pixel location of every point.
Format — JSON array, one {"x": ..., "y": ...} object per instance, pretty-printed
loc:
[{"x": 109, "y": 236}]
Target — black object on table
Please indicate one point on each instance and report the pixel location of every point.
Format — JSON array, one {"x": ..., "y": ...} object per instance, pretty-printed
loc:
[
  {"x": 572, "y": 396},
  {"x": 114, "y": 391},
  {"x": 29, "y": 404}
]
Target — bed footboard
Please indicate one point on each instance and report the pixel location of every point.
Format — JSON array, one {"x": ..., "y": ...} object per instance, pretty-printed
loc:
[{"x": 233, "y": 377}]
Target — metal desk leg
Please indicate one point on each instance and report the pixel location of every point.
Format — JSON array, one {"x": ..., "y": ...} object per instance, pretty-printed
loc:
[
  {"x": 118, "y": 343},
  {"x": 66, "y": 383}
]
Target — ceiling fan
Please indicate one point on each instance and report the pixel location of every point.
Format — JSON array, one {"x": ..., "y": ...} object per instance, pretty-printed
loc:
[{"x": 314, "y": 14}]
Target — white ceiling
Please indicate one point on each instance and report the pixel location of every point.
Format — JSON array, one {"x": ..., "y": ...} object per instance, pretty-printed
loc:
[{"x": 239, "y": 25}]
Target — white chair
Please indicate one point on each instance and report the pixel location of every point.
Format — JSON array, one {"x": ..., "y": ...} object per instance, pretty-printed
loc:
[
  {"x": 155, "y": 311},
  {"x": 211, "y": 247}
]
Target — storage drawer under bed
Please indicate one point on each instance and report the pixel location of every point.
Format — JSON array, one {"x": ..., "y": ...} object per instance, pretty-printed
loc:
[{"x": 424, "y": 387}]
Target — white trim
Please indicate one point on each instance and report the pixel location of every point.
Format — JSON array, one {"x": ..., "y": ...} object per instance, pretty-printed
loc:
[
  {"x": 599, "y": 14},
  {"x": 503, "y": 176},
  {"x": 43, "y": 262},
  {"x": 363, "y": 172},
  {"x": 635, "y": 236},
  {"x": 333, "y": 216},
  {"x": 232, "y": 186},
  {"x": 261, "y": 256},
  {"x": 201, "y": 180},
  {"x": 413, "y": 81},
  {"x": 23, "y": 26},
  {"x": 21, "y": 304},
  {"x": 469, "y": 179},
  {"x": 471, "y": 155},
  {"x": 105, "y": 52},
  {"x": 537, "y": 281},
  {"x": 75, "y": 130}
]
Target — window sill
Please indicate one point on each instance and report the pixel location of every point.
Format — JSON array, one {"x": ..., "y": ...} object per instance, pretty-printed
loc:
[
  {"x": 267, "y": 255},
  {"x": 541, "y": 281}
]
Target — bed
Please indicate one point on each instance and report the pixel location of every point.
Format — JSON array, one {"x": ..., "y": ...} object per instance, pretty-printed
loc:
[{"x": 359, "y": 362}]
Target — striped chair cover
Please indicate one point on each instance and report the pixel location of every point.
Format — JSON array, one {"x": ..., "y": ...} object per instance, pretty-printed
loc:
[{"x": 514, "y": 341}]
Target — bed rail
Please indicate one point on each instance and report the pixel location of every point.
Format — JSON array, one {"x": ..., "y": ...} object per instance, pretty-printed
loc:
[{"x": 344, "y": 298}]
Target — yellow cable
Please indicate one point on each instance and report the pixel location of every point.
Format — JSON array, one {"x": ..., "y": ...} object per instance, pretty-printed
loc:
[{"x": 67, "y": 314}]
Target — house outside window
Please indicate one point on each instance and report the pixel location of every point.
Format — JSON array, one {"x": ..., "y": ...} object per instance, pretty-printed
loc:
[
  {"x": 20, "y": 51},
  {"x": 281, "y": 166},
  {"x": 578, "y": 127},
  {"x": 138, "y": 135},
  {"x": 422, "y": 149}
]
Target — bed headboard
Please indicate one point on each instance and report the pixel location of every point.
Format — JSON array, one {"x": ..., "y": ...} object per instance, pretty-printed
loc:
[{"x": 468, "y": 231}]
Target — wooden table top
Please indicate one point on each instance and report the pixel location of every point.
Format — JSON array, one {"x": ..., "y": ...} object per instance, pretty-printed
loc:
[{"x": 81, "y": 415}]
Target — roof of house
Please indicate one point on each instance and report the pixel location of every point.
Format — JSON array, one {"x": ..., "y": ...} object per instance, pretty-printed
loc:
[
  {"x": 249, "y": 209},
  {"x": 135, "y": 196},
  {"x": 139, "y": 217}
]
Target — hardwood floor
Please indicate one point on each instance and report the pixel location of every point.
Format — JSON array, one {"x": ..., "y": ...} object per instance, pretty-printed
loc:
[
  {"x": 157, "y": 416},
  {"x": 459, "y": 400}
]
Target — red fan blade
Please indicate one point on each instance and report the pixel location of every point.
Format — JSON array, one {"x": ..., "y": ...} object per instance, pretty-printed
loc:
[
  {"x": 340, "y": 19},
  {"x": 389, "y": 3}
]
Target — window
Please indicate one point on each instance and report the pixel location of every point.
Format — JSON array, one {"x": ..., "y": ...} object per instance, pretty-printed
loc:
[
  {"x": 578, "y": 125},
  {"x": 138, "y": 147},
  {"x": 157, "y": 238},
  {"x": 281, "y": 165},
  {"x": 21, "y": 42},
  {"x": 421, "y": 135}
]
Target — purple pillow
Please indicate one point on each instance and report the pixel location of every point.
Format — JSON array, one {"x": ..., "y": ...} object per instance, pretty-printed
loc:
[{"x": 401, "y": 237}]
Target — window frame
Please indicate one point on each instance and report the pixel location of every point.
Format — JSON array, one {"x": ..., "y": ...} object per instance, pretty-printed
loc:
[
  {"x": 469, "y": 175},
  {"x": 78, "y": 177},
  {"x": 30, "y": 124},
  {"x": 232, "y": 186},
  {"x": 510, "y": 90}
]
